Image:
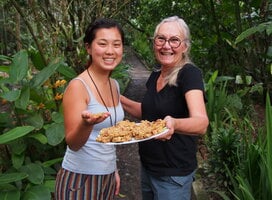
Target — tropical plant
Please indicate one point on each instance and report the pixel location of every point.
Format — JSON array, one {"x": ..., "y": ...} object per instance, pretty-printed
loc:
[
  {"x": 31, "y": 123},
  {"x": 253, "y": 180},
  {"x": 31, "y": 126},
  {"x": 230, "y": 123}
]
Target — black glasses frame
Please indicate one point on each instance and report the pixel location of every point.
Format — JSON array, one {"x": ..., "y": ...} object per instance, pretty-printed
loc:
[{"x": 173, "y": 41}]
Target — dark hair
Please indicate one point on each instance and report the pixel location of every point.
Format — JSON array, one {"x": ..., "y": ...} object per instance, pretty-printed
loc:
[{"x": 98, "y": 24}]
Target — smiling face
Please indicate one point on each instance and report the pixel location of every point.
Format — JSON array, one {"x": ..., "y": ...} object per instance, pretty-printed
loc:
[
  {"x": 106, "y": 49},
  {"x": 166, "y": 55}
]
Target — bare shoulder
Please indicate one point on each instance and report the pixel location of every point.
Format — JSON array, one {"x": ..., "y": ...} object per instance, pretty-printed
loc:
[{"x": 76, "y": 89}]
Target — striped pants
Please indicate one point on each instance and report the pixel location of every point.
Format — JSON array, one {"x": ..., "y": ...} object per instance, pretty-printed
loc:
[{"x": 73, "y": 186}]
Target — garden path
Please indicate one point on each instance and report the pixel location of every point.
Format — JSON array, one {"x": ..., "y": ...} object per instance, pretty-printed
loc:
[{"x": 127, "y": 155}]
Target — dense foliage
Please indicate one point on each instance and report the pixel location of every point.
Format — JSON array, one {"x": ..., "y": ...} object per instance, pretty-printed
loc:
[
  {"x": 41, "y": 47},
  {"x": 233, "y": 37}
]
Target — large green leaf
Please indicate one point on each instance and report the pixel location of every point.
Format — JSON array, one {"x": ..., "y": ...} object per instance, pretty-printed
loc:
[
  {"x": 41, "y": 77},
  {"x": 10, "y": 195},
  {"x": 15, "y": 133},
  {"x": 19, "y": 66},
  {"x": 35, "y": 173},
  {"x": 12, "y": 177},
  {"x": 55, "y": 133},
  {"x": 39, "y": 192},
  {"x": 260, "y": 28}
]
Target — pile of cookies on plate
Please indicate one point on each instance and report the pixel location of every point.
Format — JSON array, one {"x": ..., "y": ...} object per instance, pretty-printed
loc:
[{"x": 126, "y": 130}]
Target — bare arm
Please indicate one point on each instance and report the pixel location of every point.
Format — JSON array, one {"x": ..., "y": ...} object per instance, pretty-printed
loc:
[
  {"x": 196, "y": 123},
  {"x": 78, "y": 122},
  {"x": 131, "y": 107}
]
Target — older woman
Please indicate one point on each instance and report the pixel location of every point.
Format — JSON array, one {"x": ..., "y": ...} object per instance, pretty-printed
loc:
[{"x": 174, "y": 93}]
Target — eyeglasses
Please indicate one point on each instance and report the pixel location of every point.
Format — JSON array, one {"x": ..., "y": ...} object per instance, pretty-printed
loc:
[{"x": 174, "y": 41}]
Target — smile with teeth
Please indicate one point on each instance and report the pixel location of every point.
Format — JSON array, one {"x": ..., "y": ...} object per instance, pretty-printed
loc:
[
  {"x": 167, "y": 53},
  {"x": 109, "y": 60}
]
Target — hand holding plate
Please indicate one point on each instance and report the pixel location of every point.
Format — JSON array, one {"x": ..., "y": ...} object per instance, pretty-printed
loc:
[{"x": 170, "y": 126}]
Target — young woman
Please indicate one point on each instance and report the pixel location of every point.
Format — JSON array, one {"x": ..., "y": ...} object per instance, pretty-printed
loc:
[{"x": 92, "y": 102}]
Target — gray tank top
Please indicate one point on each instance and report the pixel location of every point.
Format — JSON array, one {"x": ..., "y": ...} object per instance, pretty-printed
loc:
[{"x": 94, "y": 158}]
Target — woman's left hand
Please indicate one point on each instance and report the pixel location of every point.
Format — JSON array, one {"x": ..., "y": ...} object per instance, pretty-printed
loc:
[{"x": 170, "y": 124}]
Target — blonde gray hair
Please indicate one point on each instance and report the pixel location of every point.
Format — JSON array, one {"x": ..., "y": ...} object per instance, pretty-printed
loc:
[{"x": 171, "y": 78}]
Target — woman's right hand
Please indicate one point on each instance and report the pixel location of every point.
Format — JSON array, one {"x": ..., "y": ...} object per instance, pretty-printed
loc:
[{"x": 94, "y": 118}]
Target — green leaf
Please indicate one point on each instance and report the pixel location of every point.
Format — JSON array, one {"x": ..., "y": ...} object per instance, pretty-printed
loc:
[
  {"x": 11, "y": 95},
  {"x": 36, "y": 59},
  {"x": 52, "y": 162},
  {"x": 18, "y": 146},
  {"x": 50, "y": 184},
  {"x": 68, "y": 72},
  {"x": 57, "y": 117},
  {"x": 10, "y": 195},
  {"x": 36, "y": 120},
  {"x": 213, "y": 77},
  {"x": 40, "y": 137},
  {"x": 35, "y": 173},
  {"x": 5, "y": 58},
  {"x": 15, "y": 133},
  {"x": 12, "y": 177},
  {"x": 39, "y": 192},
  {"x": 45, "y": 73},
  {"x": 55, "y": 133},
  {"x": 7, "y": 187},
  {"x": 17, "y": 160},
  {"x": 23, "y": 100},
  {"x": 4, "y": 68},
  {"x": 19, "y": 66},
  {"x": 260, "y": 28}
]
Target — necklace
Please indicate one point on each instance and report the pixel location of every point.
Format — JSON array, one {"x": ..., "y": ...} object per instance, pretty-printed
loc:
[{"x": 103, "y": 99}]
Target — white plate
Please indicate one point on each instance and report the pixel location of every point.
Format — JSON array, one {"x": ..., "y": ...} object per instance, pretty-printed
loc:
[{"x": 135, "y": 141}]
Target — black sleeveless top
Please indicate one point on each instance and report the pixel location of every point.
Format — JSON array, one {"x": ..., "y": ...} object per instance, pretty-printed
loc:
[{"x": 177, "y": 156}]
